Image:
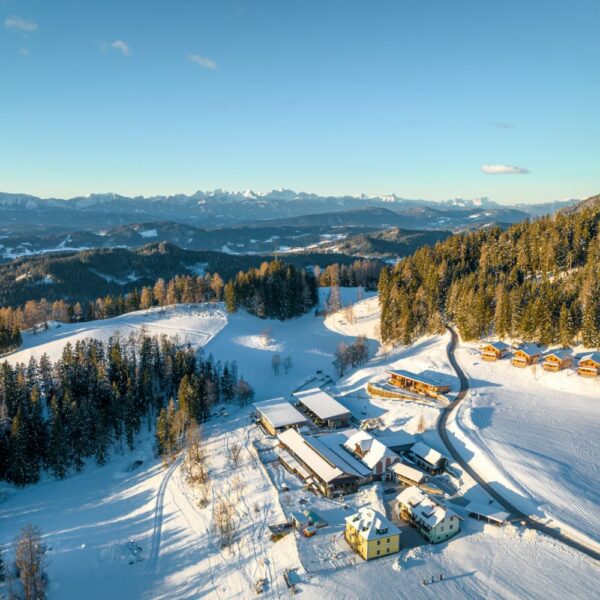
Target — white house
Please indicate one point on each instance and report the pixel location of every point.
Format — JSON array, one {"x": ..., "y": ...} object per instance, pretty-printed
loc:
[
  {"x": 435, "y": 522},
  {"x": 371, "y": 452},
  {"x": 427, "y": 458}
]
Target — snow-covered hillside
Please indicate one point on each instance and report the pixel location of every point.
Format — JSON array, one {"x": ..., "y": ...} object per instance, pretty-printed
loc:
[
  {"x": 132, "y": 529},
  {"x": 536, "y": 433}
]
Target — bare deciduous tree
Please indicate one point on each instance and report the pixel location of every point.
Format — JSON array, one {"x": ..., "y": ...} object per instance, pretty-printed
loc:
[
  {"x": 287, "y": 364},
  {"x": 224, "y": 521},
  {"x": 234, "y": 453},
  {"x": 205, "y": 489},
  {"x": 29, "y": 559},
  {"x": 276, "y": 363}
]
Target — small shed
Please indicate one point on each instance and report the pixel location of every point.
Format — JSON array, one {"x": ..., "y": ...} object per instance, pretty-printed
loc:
[
  {"x": 589, "y": 365},
  {"x": 407, "y": 474},
  {"x": 493, "y": 351},
  {"x": 488, "y": 513},
  {"x": 428, "y": 459},
  {"x": 558, "y": 360},
  {"x": 525, "y": 355},
  {"x": 278, "y": 414}
]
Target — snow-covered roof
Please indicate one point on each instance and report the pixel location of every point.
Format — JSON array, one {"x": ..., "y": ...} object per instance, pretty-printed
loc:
[
  {"x": 334, "y": 443},
  {"x": 428, "y": 510},
  {"x": 500, "y": 346},
  {"x": 371, "y": 525},
  {"x": 280, "y": 413},
  {"x": 488, "y": 511},
  {"x": 326, "y": 469},
  {"x": 413, "y": 377},
  {"x": 371, "y": 450},
  {"x": 428, "y": 454},
  {"x": 321, "y": 404},
  {"x": 560, "y": 354},
  {"x": 408, "y": 472},
  {"x": 395, "y": 438},
  {"x": 594, "y": 356},
  {"x": 529, "y": 349}
]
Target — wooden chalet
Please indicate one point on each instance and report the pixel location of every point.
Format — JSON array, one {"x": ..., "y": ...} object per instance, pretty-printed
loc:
[
  {"x": 526, "y": 355},
  {"x": 558, "y": 360},
  {"x": 417, "y": 383},
  {"x": 493, "y": 351},
  {"x": 589, "y": 365}
]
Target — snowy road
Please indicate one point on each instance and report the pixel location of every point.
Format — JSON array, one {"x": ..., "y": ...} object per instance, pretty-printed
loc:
[{"x": 530, "y": 521}]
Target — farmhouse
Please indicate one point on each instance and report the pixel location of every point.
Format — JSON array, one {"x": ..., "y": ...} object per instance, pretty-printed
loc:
[
  {"x": 320, "y": 466},
  {"x": 427, "y": 458},
  {"x": 525, "y": 355},
  {"x": 407, "y": 474},
  {"x": 558, "y": 360},
  {"x": 322, "y": 408},
  {"x": 589, "y": 366},
  {"x": 494, "y": 350},
  {"x": 278, "y": 415},
  {"x": 375, "y": 455},
  {"x": 417, "y": 383},
  {"x": 371, "y": 535},
  {"x": 432, "y": 519}
]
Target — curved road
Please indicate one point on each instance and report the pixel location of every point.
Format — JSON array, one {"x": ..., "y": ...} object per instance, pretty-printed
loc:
[{"x": 513, "y": 510}]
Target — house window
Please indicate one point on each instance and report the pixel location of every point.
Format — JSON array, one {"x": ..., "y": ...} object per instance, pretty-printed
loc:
[
  {"x": 442, "y": 529},
  {"x": 451, "y": 526},
  {"x": 379, "y": 542},
  {"x": 378, "y": 552}
]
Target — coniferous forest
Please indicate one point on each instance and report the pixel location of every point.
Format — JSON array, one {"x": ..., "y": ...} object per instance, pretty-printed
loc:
[
  {"x": 56, "y": 416},
  {"x": 537, "y": 281}
]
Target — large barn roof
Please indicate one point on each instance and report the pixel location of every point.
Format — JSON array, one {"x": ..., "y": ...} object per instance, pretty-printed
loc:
[
  {"x": 321, "y": 404},
  {"x": 280, "y": 413}
]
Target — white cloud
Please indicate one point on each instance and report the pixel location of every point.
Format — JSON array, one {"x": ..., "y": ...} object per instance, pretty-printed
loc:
[
  {"x": 503, "y": 170},
  {"x": 121, "y": 46},
  {"x": 203, "y": 61},
  {"x": 20, "y": 24}
]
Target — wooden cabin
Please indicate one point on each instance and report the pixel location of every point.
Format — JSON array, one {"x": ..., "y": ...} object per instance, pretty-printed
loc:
[
  {"x": 526, "y": 355},
  {"x": 417, "y": 383},
  {"x": 493, "y": 351},
  {"x": 589, "y": 366},
  {"x": 557, "y": 361}
]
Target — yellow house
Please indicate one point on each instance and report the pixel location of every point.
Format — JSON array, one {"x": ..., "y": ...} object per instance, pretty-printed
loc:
[
  {"x": 371, "y": 535},
  {"x": 525, "y": 355}
]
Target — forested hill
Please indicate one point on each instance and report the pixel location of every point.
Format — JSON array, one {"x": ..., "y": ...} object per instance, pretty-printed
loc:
[{"x": 537, "y": 281}]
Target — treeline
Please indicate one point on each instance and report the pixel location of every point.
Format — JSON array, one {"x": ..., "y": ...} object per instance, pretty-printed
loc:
[
  {"x": 361, "y": 273},
  {"x": 275, "y": 290},
  {"x": 10, "y": 337},
  {"x": 536, "y": 281},
  {"x": 55, "y": 416}
]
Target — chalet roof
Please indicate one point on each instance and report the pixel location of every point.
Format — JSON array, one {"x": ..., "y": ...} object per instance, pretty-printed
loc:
[
  {"x": 594, "y": 357},
  {"x": 280, "y": 413},
  {"x": 500, "y": 346},
  {"x": 371, "y": 448},
  {"x": 321, "y": 404},
  {"x": 529, "y": 349},
  {"x": 408, "y": 472},
  {"x": 418, "y": 378},
  {"x": 428, "y": 510},
  {"x": 315, "y": 455},
  {"x": 429, "y": 455},
  {"x": 561, "y": 354},
  {"x": 372, "y": 525}
]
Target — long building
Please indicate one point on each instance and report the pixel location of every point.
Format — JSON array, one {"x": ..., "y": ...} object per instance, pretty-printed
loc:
[
  {"x": 324, "y": 410},
  {"x": 321, "y": 466},
  {"x": 420, "y": 384}
]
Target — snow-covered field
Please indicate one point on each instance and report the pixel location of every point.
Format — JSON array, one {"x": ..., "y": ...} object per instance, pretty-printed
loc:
[
  {"x": 114, "y": 532},
  {"x": 537, "y": 434}
]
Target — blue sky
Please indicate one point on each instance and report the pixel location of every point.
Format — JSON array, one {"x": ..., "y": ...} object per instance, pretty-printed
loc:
[{"x": 431, "y": 99}]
